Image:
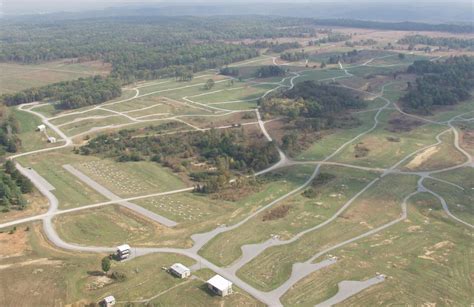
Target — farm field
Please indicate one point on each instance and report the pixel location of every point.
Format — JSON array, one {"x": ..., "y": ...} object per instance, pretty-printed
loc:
[{"x": 17, "y": 77}]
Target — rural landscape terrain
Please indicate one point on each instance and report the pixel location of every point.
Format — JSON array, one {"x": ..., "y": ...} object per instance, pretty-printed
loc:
[{"x": 310, "y": 163}]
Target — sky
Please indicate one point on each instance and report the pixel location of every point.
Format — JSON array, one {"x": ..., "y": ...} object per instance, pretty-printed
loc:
[{"x": 42, "y": 6}]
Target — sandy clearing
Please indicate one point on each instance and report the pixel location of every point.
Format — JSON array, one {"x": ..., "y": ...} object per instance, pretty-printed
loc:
[{"x": 422, "y": 157}]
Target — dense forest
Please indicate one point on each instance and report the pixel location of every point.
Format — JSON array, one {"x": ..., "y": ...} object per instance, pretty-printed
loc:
[
  {"x": 9, "y": 127},
  {"x": 139, "y": 48},
  {"x": 332, "y": 37},
  {"x": 225, "y": 150},
  {"x": 229, "y": 71},
  {"x": 293, "y": 56},
  {"x": 270, "y": 71},
  {"x": 345, "y": 57},
  {"x": 70, "y": 94},
  {"x": 12, "y": 187},
  {"x": 439, "y": 83},
  {"x": 313, "y": 106},
  {"x": 450, "y": 42}
]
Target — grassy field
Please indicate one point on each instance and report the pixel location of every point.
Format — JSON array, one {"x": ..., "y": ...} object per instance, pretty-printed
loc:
[
  {"x": 30, "y": 138},
  {"x": 197, "y": 214},
  {"x": 427, "y": 259},
  {"x": 128, "y": 179},
  {"x": 435, "y": 157},
  {"x": 106, "y": 226},
  {"x": 241, "y": 92},
  {"x": 460, "y": 202},
  {"x": 90, "y": 125},
  {"x": 304, "y": 212},
  {"x": 331, "y": 142},
  {"x": 375, "y": 207},
  {"x": 386, "y": 145},
  {"x": 16, "y": 77},
  {"x": 195, "y": 293},
  {"x": 69, "y": 190},
  {"x": 58, "y": 277}
]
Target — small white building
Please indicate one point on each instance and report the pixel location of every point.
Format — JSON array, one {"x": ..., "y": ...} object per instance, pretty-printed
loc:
[
  {"x": 51, "y": 139},
  {"x": 180, "y": 270},
  {"x": 108, "y": 301},
  {"x": 219, "y": 285},
  {"x": 123, "y": 251},
  {"x": 41, "y": 128}
]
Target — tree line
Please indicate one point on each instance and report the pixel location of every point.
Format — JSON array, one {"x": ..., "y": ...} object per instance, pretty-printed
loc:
[
  {"x": 439, "y": 83},
  {"x": 227, "y": 150},
  {"x": 311, "y": 100},
  {"x": 270, "y": 71},
  {"x": 450, "y": 42},
  {"x": 294, "y": 56},
  {"x": 399, "y": 26},
  {"x": 9, "y": 127},
  {"x": 13, "y": 186},
  {"x": 69, "y": 94}
]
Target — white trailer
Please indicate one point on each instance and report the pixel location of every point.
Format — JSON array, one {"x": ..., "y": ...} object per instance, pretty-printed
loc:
[
  {"x": 180, "y": 270},
  {"x": 219, "y": 285},
  {"x": 123, "y": 251}
]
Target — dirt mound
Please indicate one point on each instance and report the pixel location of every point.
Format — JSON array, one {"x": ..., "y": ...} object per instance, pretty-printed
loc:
[{"x": 422, "y": 157}]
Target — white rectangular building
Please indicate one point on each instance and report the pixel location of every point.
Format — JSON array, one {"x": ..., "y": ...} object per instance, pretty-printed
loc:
[
  {"x": 180, "y": 270},
  {"x": 123, "y": 251},
  {"x": 219, "y": 285},
  {"x": 41, "y": 128},
  {"x": 108, "y": 301},
  {"x": 51, "y": 139}
]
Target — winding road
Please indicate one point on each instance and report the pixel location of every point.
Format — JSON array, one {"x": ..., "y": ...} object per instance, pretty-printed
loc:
[{"x": 249, "y": 252}]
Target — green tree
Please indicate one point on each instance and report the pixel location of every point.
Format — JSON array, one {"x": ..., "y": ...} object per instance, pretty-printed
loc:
[
  {"x": 209, "y": 84},
  {"x": 106, "y": 264}
]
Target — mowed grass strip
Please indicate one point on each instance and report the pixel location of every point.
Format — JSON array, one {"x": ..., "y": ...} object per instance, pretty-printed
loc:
[
  {"x": 303, "y": 213},
  {"x": 426, "y": 258},
  {"x": 377, "y": 206},
  {"x": 106, "y": 226},
  {"x": 70, "y": 191}
]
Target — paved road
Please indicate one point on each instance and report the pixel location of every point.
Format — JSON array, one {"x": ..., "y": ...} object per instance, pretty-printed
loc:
[
  {"x": 348, "y": 288},
  {"x": 300, "y": 270}
]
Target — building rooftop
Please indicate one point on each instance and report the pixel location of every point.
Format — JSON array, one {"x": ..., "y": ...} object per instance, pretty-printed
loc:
[
  {"x": 219, "y": 282},
  {"x": 179, "y": 268},
  {"x": 123, "y": 247}
]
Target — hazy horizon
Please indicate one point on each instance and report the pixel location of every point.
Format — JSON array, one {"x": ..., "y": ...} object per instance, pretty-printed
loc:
[{"x": 18, "y": 7}]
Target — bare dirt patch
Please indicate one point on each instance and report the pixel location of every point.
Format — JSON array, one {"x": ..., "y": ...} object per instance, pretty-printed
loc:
[
  {"x": 13, "y": 244},
  {"x": 467, "y": 138},
  {"x": 422, "y": 157},
  {"x": 437, "y": 252}
]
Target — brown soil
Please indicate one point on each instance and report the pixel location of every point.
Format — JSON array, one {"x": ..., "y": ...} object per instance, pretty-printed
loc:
[{"x": 15, "y": 244}]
